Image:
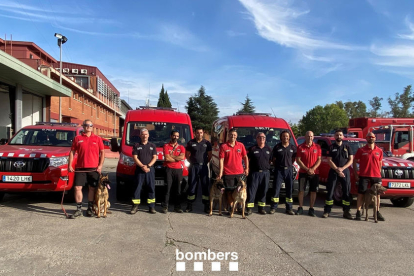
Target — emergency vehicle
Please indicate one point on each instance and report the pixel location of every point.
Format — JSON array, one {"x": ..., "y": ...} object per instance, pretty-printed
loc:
[
  {"x": 248, "y": 125},
  {"x": 159, "y": 121},
  {"x": 36, "y": 158},
  {"x": 394, "y": 135},
  {"x": 397, "y": 174}
]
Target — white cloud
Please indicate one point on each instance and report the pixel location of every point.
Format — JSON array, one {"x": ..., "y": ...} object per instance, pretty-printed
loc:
[
  {"x": 276, "y": 21},
  {"x": 410, "y": 25},
  {"x": 394, "y": 55}
]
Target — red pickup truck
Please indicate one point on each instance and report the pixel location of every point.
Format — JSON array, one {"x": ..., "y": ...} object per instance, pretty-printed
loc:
[
  {"x": 36, "y": 158},
  {"x": 397, "y": 174}
]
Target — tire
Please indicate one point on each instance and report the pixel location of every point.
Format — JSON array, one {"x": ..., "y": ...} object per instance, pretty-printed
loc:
[
  {"x": 2, "y": 196},
  {"x": 402, "y": 201},
  {"x": 122, "y": 192}
]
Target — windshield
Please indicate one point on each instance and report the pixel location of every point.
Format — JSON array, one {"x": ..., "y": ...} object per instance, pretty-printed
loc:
[
  {"x": 353, "y": 144},
  {"x": 43, "y": 137},
  {"x": 159, "y": 132},
  {"x": 247, "y": 135},
  {"x": 382, "y": 135}
]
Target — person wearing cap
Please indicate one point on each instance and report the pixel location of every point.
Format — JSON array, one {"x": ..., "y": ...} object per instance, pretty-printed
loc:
[
  {"x": 369, "y": 159},
  {"x": 144, "y": 154},
  {"x": 339, "y": 159},
  {"x": 259, "y": 156},
  {"x": 284, "y": 154},
  {"x": 88, "y": 167},
  {"x": 231, "y": 155},
  {"x": 198, "y": 152},
  {"x": 308, "y": 157},
  {"x": 173, "y": 157}
]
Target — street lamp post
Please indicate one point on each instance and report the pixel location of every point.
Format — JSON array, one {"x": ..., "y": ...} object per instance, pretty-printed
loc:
[{"x": 61, "y": 40}]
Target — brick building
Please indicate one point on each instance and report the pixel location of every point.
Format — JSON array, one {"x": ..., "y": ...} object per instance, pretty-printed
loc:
[{"x": 33, "y": 88}]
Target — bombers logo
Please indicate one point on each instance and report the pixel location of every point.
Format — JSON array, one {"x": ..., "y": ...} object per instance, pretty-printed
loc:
[
  {"x": 239, "y": 150},
  {"x": 399, "y": 172}
]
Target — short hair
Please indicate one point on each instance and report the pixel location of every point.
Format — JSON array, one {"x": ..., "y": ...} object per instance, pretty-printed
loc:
[
  {"x": 257, "y": 135},
  {"x": 144, "y": 129},
  {"x": 232, "y": 130},
  {"x": 281, "y": 134},
  {"x": 174, "y": 131},
  {"x": 87, "y": 120},
  {"x": 339, "y": 130},
  {"x": 198, "y": 128}
]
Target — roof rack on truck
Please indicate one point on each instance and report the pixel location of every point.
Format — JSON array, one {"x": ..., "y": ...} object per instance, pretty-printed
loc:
[
  {"x": 157, "y": 108},
  {"x": 55, "y": 124}
]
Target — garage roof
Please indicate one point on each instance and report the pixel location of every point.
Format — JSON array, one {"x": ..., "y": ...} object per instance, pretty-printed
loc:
[{"x": 13, "y": 71}]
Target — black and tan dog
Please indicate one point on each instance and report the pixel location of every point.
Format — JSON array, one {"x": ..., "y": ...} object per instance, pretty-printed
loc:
[
  {"x": 371, "y": 196},
  {"x": 216, "y": 193},
  {"x": 101, "y": 203},
  {"x": 239, "y": 195}
]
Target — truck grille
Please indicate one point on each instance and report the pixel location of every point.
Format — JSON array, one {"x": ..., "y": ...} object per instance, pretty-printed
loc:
[
  {"x": 397, "y": 173},
  {"x": 36, "y": 165}
]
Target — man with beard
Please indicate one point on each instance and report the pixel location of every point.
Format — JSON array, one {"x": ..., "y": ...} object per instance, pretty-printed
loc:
[
  {"x": 370, "y": 164},
  {"x": 284, "y": 154},
  {"x": 173, "y": 155},
  {"x": 340, "y": 158},
  {"x": 198, "y": 152}
]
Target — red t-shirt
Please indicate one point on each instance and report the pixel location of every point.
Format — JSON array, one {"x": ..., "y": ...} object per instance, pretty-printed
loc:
[
  {"x": 176, "y": 151},
  {"x": 233, "y": 157},
  {"x": 309, "y": 155},
  {"x": 88, "y": 149},
  {"x": 369, "y": 161}
]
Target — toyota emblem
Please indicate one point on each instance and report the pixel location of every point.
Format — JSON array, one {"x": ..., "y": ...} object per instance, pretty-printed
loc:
[
  {"x": 398, "y": 172},
  {"x": 19, "y": 164}
]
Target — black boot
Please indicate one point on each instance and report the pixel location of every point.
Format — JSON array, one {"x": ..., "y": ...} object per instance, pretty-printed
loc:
[{"x": 189, "y": 207}]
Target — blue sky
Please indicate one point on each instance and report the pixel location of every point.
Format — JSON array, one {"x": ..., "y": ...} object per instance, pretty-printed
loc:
[{"x": 288, "y": 56}]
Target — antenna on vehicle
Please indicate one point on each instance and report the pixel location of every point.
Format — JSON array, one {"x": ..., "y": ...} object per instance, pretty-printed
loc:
[{"x": 273, "y": 112}]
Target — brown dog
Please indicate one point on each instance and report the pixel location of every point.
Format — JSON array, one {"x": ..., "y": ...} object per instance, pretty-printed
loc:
[
  {"x": 216, "y": 193},
  {"x": 101, "y": 203},
  {"x": 239, "y": 195},
  {"x": 371, "y": 197}
]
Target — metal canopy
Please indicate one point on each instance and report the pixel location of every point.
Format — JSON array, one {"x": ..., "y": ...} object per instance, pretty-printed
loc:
[{"x": 13, "y": 72}]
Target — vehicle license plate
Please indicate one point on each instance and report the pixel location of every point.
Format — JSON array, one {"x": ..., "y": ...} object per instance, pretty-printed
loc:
[
  {"x": 159, "y": 182},
  {"x": 17, "y": 178},
  {"x": 399, "y": 185}
]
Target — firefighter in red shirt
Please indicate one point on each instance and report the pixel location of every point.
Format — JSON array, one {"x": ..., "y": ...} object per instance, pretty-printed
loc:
[
  {"x": 91, "y": 156},
  {"x": 369, "y": 158},
  {"x": 231, "y": 155},
  {"x": 308, "y": 157},
  {"x": 173, "y": 157}
]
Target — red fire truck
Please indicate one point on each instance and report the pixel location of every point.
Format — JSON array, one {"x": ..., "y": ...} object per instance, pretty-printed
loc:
[
  {"x": 394, "y": 135},
  {"x": 159, "y": 122},
  {"x": 36, "y": 158}
]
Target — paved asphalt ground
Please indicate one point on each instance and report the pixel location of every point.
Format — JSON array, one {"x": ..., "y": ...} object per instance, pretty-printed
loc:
[{"x": 36, "y": 239}]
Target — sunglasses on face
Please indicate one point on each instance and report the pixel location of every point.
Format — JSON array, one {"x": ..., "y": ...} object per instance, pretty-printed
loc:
[
  {"x": 88, "y": 125},
  {"x": 371, "y": 137}
]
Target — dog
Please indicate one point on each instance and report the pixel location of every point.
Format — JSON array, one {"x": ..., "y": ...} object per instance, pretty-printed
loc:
[
  {"x": 239, "y": 195},
  {"x": 216, "y": 193},
  {"x": 101, "y": 203},
  {"x": 371, "y": 197}
]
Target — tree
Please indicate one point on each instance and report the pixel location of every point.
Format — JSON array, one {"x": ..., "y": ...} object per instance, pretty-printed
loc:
[
  {"x": 202, "y": 110},
  {"x": 400, "y": 106},
  {"x": 163, "y": 99},
  {"x": 353, "y": 109},
  {"x": 295, "y": 129},
  {"x": 375, "y": 104},
  {"x": 247, "y": 106},
  {"x": 323, "y": 119}
]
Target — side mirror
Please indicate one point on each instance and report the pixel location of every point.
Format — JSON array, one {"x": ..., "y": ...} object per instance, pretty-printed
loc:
[
  {"x": 114, "y": 145},
  {"x": 3, "y": 141}
]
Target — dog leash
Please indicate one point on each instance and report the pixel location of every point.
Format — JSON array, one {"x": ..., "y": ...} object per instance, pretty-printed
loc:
[{"x": 63, "y": 194}]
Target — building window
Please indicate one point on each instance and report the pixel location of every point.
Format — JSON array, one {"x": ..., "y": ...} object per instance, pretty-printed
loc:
[
  {"x": 31, "y": 56},
  {"x": 82, "y": 81}
]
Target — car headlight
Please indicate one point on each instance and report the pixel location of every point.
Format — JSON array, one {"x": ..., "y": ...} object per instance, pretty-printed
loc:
[
  {"x": 58, "y": 161},
  {"x": 126, "y": 160},
  {"x": 187, "y": 164}
]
